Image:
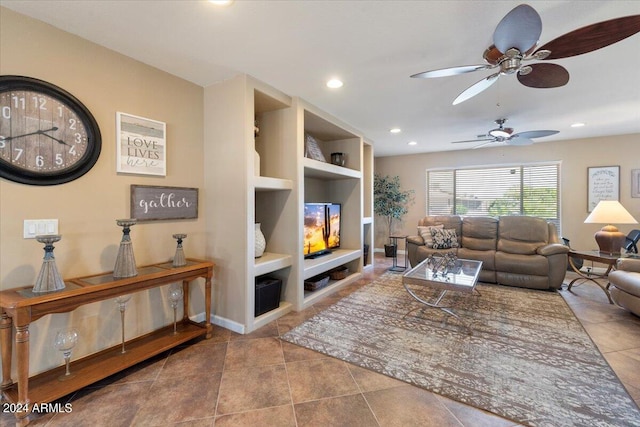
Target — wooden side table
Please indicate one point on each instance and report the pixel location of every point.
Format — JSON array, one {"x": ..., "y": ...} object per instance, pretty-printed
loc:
[
  {"x": 395, "y": 266},
  {"x": 20, "y": 306},
  {"x": 595, "y": 256}
]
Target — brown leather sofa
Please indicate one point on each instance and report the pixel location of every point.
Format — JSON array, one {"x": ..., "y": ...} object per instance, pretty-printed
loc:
[
  {"x": 517, "y": 251},
  {"x": 625, "y": 284}
]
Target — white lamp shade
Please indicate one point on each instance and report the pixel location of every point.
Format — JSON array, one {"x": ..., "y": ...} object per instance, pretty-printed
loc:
[
  {"x": 610, "y": 212},
  {"x": 609, "y": 238}
]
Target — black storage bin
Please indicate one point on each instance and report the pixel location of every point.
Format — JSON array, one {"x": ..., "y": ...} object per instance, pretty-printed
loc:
[{"x": 267, "y": 294}]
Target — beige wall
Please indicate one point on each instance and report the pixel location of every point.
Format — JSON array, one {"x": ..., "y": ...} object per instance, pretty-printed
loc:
[
  {"x": 575, "y": 155},
  {"x": 87, "y": 208}
]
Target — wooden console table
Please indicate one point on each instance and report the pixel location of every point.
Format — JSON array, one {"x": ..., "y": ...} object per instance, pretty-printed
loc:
[{"x": 20, "y": 306}]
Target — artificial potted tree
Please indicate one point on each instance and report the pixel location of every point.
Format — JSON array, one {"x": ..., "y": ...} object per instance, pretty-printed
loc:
[{"x": 391, "y": 203}]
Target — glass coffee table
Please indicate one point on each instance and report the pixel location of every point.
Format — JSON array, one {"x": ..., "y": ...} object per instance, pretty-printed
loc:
[{"x": 462, "y": 276}]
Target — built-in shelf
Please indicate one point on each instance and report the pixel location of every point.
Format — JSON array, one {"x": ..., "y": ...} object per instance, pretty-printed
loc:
[
  {"x": 310, "y": 297},
  {"x": 270, "y": 262},
  {"x": 275, "y": 197},
  {"x": 265, "y": 183},
  {"x": 315, "y": 266},
  {"x": 274, "y": 314},
  {"x": 316, "y": 169}
]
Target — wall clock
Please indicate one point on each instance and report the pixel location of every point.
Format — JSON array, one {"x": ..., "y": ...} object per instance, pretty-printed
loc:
[{"x": 47, "y": 136}]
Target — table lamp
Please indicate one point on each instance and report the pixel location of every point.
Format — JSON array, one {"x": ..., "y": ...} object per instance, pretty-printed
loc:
[{"x": 609, "y": 238}]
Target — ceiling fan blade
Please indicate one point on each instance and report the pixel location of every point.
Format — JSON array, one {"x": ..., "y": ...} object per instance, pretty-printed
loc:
[
  {"x": 535, "y": 134},
  {"x": 516, "y": 140},
  {"x": 592, "y": 37},
  {"x": 520, "y": 28},
  {"x": 492, "y": 55},
  {"x": 453, "y": 71},
  {"x": 484, "y": 144},
  {"x": 544, "y": 75},
  {"x": 476, "y": 88},
  {"x": 473, "y": 140}
]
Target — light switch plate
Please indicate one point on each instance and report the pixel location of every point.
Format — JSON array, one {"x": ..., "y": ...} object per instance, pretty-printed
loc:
[{"x": 36, "y": 227}]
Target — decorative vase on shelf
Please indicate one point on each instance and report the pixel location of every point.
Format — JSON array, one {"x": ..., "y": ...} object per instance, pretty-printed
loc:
[{"x": 260, "y": 243}]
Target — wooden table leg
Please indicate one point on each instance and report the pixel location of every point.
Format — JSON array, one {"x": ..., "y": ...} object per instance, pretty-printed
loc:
[
  {"x": 7, "y": 349},
  {"x": 185, "y": 299},
  {"x": 22, "y": 355}
]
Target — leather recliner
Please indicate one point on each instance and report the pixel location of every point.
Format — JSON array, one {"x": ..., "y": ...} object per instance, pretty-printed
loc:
[
  {"x": 517, "y": 251},
  {"x": 624, "y": 284}
]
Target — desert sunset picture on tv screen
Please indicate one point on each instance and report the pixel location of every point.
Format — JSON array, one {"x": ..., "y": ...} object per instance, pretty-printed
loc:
[{"x": 321, "y": 227}]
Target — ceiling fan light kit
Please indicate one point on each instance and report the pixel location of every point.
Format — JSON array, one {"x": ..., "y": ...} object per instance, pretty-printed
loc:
[
  {"x": 515, "y": 40},
  {"x": 499, "y": 133},
  {"x": 503, "y": 135}
]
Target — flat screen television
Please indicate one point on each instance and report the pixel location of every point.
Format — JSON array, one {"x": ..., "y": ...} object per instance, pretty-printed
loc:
[{"x": 321, "y": 228}]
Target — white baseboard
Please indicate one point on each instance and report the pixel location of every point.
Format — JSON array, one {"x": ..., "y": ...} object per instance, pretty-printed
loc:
[
  {"x": 198, "y": 318},
  {"x": 227, "y": 324},
  {"x": 219, "y": 321}
]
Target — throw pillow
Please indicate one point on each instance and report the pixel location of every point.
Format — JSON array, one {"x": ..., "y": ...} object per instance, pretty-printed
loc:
[
  {"x": 425, "y": 233},
  {"x": 444, "y": 238}
]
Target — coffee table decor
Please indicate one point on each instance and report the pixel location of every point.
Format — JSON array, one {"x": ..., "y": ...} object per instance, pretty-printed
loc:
[
  {"x": 443, "y": 264},
  {"x": 528, "y": 360}
]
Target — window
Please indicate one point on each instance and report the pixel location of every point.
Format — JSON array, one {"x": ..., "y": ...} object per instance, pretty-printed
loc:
[{"x": 496, "y": 190}]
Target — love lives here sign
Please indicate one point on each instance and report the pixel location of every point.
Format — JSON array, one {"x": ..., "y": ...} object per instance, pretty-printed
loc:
[{"x": 151, "y": 203}]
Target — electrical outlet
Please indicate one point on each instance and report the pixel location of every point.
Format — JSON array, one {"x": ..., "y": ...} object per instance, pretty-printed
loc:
[{"x": 36, "y": 227}]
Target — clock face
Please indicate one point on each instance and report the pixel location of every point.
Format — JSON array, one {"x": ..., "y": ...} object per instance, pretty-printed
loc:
[{"x": 46, "y": 135}]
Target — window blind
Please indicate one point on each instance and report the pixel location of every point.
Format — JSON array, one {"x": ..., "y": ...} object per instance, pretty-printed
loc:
[{"x": 497, "y": 190}]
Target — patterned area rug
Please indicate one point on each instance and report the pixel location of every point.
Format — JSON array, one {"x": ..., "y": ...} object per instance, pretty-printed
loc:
[{"x": 524, "y": 357}]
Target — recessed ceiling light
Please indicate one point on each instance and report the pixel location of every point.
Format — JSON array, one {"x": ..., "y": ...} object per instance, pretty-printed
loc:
[
  {"x": 395, "y": 130},
  {"x": 413, "y": 143},
  {"x": 221, "y": 2},
  {"x": 334, "y": 83},
  {"x": 577, "y": 125}
]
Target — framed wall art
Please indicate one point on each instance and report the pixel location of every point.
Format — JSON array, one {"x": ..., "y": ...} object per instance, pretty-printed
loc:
[
  {"x": 603, "y": 183},
  {"x": 142, "y": 145},
  {"x": 635, "y": 183},
  {"x": 152, "y": 203},
  {"x": 312, "y": 149}
]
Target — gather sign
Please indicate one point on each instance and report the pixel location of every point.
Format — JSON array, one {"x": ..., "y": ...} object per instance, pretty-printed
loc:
[{"x": 150, "y": 203}]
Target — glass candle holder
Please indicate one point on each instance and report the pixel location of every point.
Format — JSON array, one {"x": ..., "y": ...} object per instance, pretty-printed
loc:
[
  {"x": 65, "y": 341},
  {"x": 122, "y": 301},
  {"x": 175, "y": 296}
]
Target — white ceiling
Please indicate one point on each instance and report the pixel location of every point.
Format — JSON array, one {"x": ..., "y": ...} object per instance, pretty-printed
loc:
[{"x": 374, "y": 46}]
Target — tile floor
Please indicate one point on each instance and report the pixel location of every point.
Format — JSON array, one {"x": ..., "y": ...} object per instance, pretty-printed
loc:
[{"x": 258, "y": 380}]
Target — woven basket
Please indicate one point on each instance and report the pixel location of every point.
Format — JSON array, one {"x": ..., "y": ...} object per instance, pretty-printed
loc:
[
  {"x": 315, "y": 283},
  {"x": 339, "y": 273}
]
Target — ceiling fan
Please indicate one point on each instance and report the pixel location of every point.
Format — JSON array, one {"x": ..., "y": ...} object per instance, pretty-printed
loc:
[
  {"x": 515, "y": 40},
  {"x": 505, "y": 135}
]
